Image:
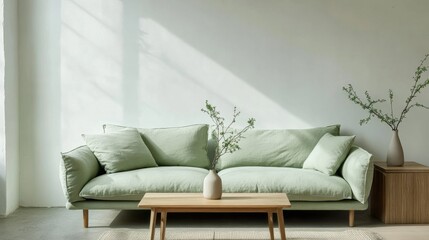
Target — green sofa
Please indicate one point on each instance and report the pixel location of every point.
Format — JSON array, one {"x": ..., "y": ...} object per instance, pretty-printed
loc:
[{"x": 268, "y": 161}]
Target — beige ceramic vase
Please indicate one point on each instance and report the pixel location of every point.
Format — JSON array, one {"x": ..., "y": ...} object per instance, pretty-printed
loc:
[
  {"x": 395, "y": 153},
  {"x": 212, "y": 188}
]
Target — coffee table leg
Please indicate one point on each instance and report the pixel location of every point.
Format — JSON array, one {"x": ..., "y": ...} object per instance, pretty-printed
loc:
[
  {"x": 270, "y": 225},
  {"x": 152, "y": 223},
  {"x": 281, "y": 222},
  {"x": 163, "y": 224}
]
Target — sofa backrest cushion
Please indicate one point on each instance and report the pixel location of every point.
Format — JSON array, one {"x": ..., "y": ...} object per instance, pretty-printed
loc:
[
  {"x": 120, "y": 151},
  {"x": 276, "y": 148},
  {"x": 329, "y": 153},
  {"x": 175, "y": 146}
]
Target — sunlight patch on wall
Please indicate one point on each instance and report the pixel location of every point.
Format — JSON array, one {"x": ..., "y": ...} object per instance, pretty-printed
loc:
[{"x": 176, "y": 78}]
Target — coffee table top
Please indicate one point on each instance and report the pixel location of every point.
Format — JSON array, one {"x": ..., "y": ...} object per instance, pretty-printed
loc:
[{"x": 228, "y": 200}]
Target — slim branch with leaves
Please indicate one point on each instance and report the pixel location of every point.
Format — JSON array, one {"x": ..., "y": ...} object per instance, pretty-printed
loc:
[
  {"x": 227, "y": 138},
  {"x": 368, "y": 103}
]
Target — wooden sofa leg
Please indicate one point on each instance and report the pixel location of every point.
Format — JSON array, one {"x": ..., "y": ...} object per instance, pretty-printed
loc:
[
  {"x": 351, "y": 218},
  {"x": 85, "y": 218}
]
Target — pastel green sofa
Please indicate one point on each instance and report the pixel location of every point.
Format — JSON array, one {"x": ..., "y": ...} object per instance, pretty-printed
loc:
[{"x": 268, "y": 161}]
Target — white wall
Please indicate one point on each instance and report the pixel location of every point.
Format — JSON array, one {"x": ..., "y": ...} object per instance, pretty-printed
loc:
[
  {"x": 11, "y": 105},
  {"x": 151, "y": 63},
  {"x": 39, "y": 106},
  {"x": 3, "y": 195},
  {"x": 9, "y": 145}
]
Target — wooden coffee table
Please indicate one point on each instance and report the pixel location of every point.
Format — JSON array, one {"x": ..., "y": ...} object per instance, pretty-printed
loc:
[{"x": 230, "y": 202}]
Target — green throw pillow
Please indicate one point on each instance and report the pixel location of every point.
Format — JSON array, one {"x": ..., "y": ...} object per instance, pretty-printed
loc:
[
  {"x": 175, "y": 146},
  {"x": 120, "y": 151},
  {"x": 329, "y": 153}
]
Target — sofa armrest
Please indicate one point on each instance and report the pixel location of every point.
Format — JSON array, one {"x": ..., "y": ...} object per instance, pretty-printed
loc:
[
  {"x": 77, "y": 167},
  {"x": 357, "y": 170}
]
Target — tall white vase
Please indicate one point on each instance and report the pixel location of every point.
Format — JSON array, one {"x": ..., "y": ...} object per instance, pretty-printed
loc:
[
  {"x": 395, "y": 153},
  {"x": 212, "y": 188}
]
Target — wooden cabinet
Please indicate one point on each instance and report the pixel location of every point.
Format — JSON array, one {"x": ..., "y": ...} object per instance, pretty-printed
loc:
[{"x": 400, "y": 194}]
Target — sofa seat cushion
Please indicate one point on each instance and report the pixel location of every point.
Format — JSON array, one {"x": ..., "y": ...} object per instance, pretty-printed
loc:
[
  {"x": 299, "y": 184},
  {"x": 132, "y": 185}
]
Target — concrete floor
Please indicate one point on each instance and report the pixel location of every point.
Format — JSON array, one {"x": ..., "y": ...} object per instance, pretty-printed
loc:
[{"x": 60, "y": 223}]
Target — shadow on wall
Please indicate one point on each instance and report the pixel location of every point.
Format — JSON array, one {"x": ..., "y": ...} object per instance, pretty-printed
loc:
[
  {"x": 201, "y": 52},
  {"x": 129, "y": 63},
  {"x": 250, "y": 53},
  {"x": 282, "y": 62},
  {"x": 3, "y": 193}
]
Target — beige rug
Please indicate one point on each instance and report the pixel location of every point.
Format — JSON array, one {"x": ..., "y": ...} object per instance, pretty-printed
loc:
[{"x": 240, "y": 235}]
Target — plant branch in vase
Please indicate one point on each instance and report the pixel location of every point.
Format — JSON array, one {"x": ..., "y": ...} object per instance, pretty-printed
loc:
[
  {"x": 227, "y": 139},
  {"x": 395, "y": 154}
]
